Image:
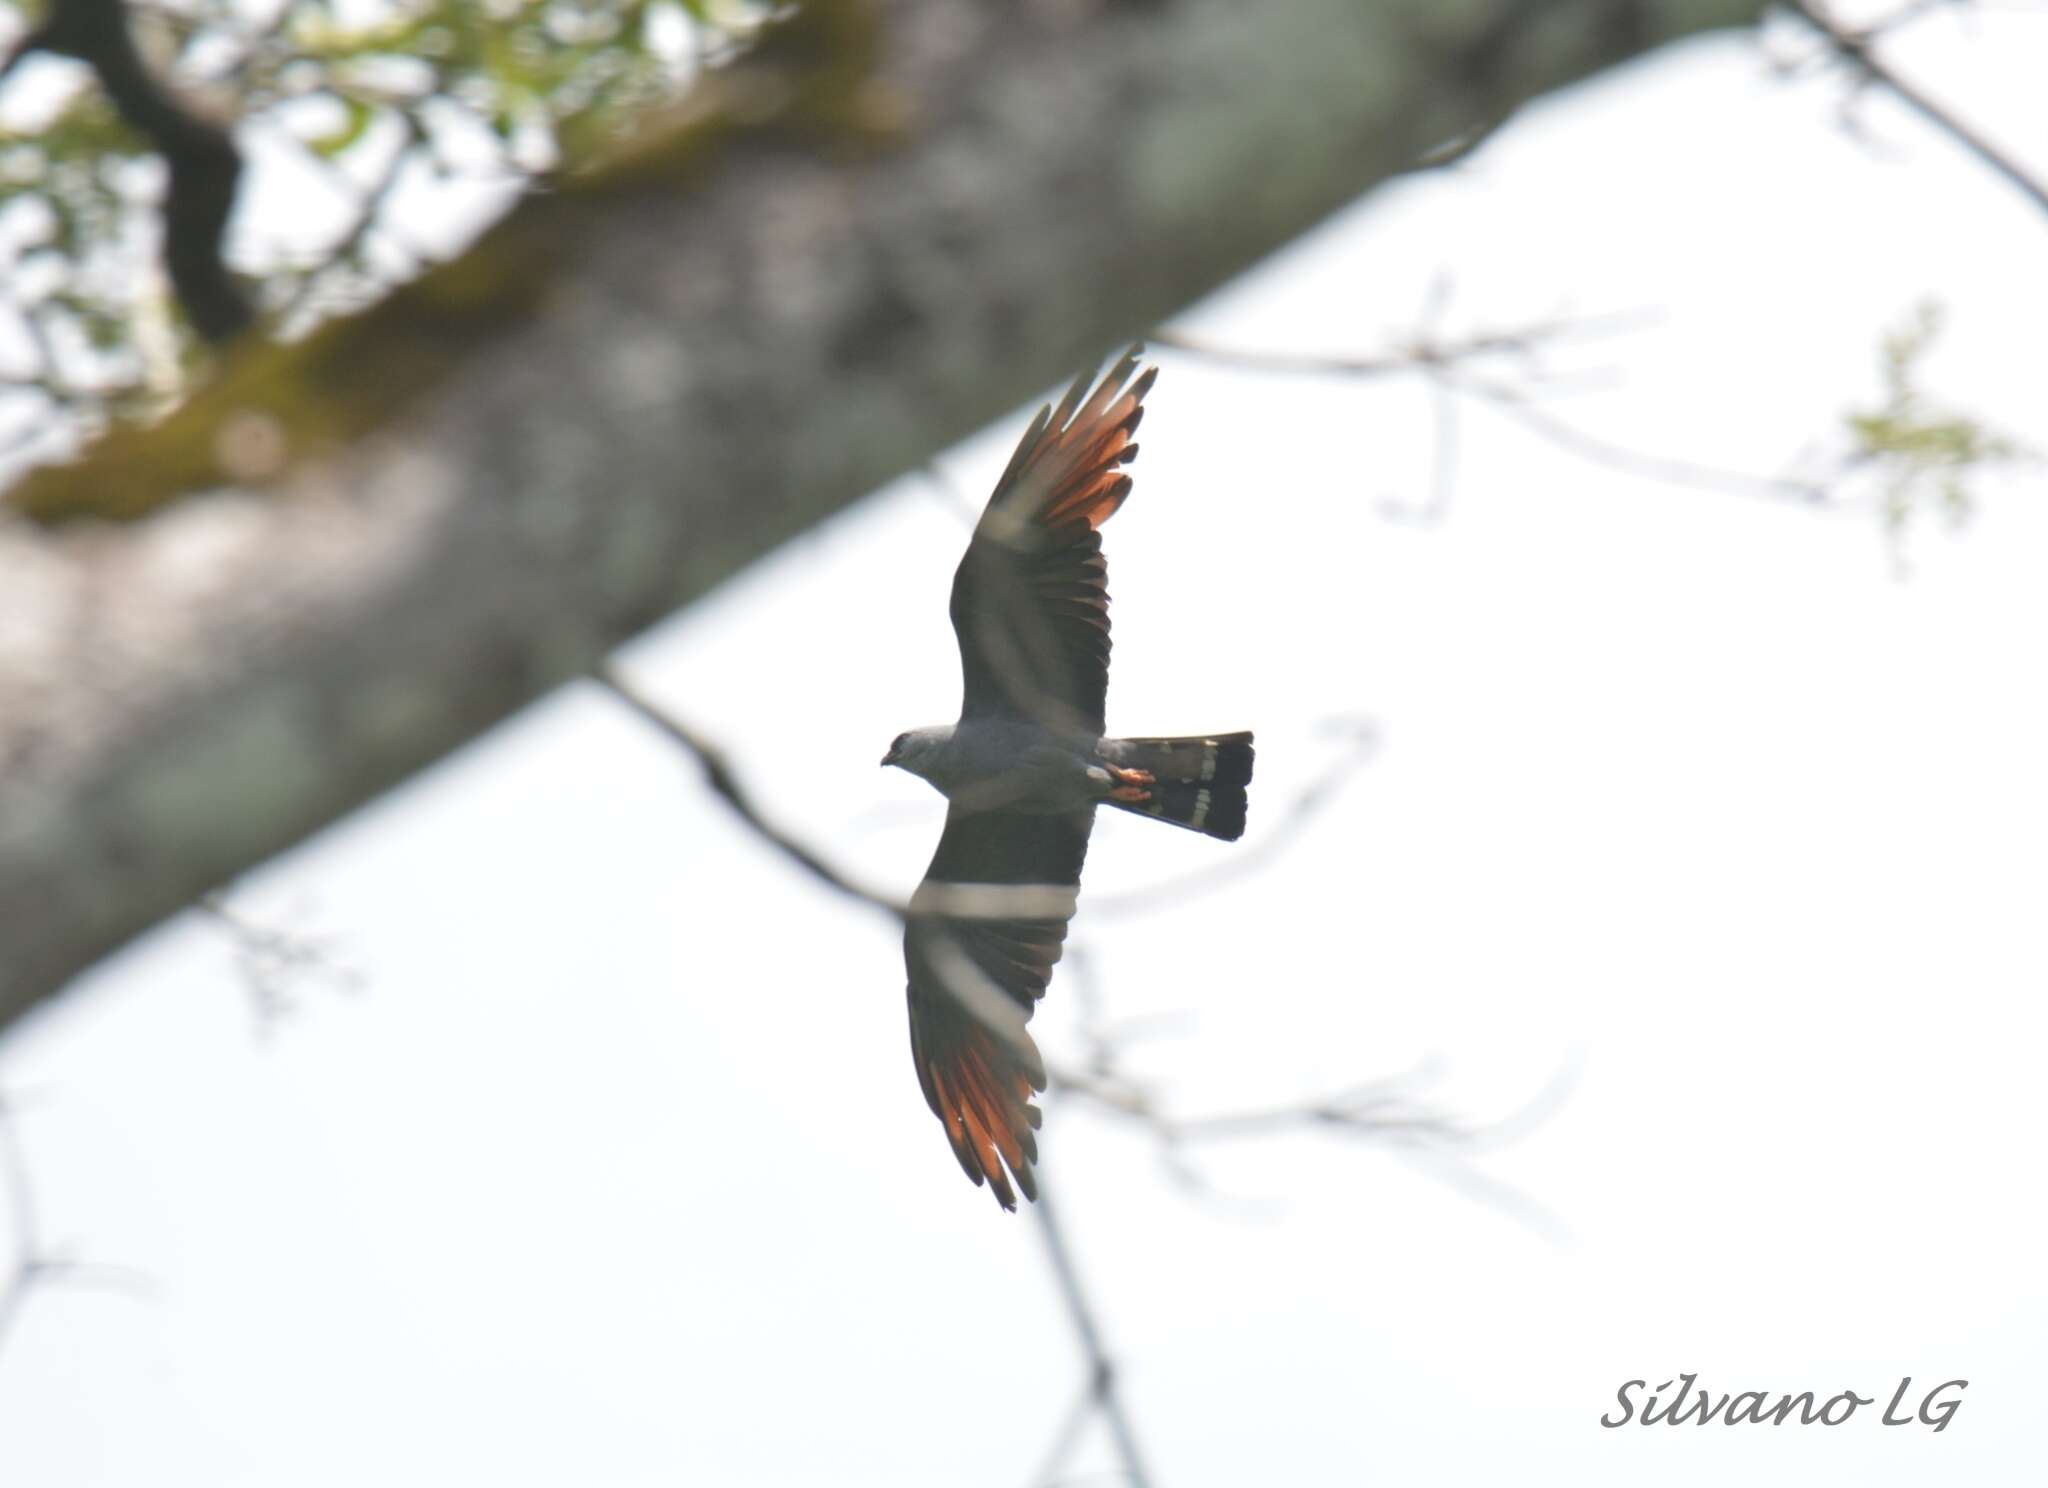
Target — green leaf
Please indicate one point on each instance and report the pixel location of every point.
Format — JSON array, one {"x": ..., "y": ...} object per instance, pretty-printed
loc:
[{"x": 357, "y": 117}]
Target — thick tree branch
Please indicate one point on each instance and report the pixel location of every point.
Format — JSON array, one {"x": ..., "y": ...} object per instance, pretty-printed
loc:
[{"x": 371, "y": 545}]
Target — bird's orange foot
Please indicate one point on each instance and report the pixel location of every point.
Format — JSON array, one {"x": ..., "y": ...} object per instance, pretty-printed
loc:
[{"x": 1131, "y": 785}]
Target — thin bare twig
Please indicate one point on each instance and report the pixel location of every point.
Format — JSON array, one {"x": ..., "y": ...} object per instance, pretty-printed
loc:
[
  {"x": 1068, "y": 1437},
  {"x": 1443, "y": 464},
  {"x": 719, "y": 776},
  {"x": 33, "y": 1263},
  {"x": 1855, "y": 47},
  {"x": 369, "y": 218},
  {"x": 274, "y": 960},
  {"x": 27, "y": 1257},
  {"x": 1387, "y": 1111},
  {"x": 1382, "y": 1108},
  {"x": 1421, "y": 351},
  {"x": 1570, "y": 437},
  {"x": 1911, "y": 11},
  {"x": 1102, "y": 1390},
  {"x": 1448, "y": 365}
]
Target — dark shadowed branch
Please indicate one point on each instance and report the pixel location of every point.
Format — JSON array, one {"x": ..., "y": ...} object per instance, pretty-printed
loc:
[{"x": 200, "y": 156}]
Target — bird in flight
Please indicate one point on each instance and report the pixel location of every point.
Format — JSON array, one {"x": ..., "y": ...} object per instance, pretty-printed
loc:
[{"x": 1024, "y": 769}]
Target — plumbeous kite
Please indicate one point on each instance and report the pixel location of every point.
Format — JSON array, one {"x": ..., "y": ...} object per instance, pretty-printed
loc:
[{"x": 1025, "y": 768}]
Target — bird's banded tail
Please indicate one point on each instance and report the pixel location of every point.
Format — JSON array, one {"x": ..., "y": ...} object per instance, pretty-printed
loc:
[{"x": 1199, "y": 782}]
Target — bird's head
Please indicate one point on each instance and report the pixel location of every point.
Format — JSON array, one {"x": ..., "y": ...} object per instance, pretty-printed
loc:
[{"x": 912, "y": 751}]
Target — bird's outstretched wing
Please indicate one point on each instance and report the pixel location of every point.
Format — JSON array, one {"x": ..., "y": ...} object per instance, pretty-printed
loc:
[
  {"x": 1031, "y": 598},
  {"x": 984, "y": 930}
]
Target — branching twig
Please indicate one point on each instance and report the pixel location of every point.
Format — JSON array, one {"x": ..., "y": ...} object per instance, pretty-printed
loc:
[
  {"x": 1600, "y": 451},
  {"x": 369, "y": 217},
  {"x": 33, "y": 1264},
  {"x": 273, "y": 959},
  {"x": 1068, "y": 1437},
  {"x": 1421, "y": 351},
  {"x": 1856, "y": 48},
  {"x": 1443, "y": 417},
  {"x": 1448, "y": 365},
  {"x": 1385, "y": 1111},
  {"x": 1102, "y": 1394}
]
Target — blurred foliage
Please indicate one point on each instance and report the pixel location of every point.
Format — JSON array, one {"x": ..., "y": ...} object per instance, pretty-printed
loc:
[
  {"x": 342, "y": 108},
  {"x": 1920, "y": 453}
]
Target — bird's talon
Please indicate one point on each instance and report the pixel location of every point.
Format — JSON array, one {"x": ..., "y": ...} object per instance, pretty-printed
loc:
[
  {"x": 1131, "y": 793},
  {"x": 1131, "y": 777}
]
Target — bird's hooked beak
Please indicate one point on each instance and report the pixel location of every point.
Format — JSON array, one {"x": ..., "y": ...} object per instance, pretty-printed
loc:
[{"x": 890, "y": 757}]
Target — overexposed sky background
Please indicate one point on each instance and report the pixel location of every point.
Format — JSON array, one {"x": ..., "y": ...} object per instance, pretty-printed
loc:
[{"x": 615, "y": 1170}]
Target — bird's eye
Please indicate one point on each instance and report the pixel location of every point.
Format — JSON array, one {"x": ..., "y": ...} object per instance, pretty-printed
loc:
[{"x": 897, "y": 747}]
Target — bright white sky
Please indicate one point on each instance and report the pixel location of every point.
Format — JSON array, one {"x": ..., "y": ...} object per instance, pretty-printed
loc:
[{"x": 616, "y": 1172}]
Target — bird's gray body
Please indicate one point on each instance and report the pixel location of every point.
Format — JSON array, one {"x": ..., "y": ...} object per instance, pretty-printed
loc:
[{"x": 1008, "y": 765}]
